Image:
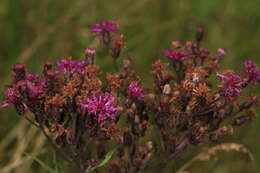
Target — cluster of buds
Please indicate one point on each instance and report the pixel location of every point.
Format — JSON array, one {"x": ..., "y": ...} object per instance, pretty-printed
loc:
[{"x": 73, "y": 107}]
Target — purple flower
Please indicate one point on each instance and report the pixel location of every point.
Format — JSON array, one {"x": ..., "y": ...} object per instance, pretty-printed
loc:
[
  {"x": 103, "y": 106},
  {"x": 34, "y": 84},
  {"x": 12, "y": 96},
  {"x": 135, "y": 91},
  {"x": 252, "y": 71},
  {"x": 232, "y": 84},
  {"x": 70, "y": 66},
  {"x": 177, "y": 55},
  {"x": 104, "y": 26},
  {"x": 34, "y": 90}
]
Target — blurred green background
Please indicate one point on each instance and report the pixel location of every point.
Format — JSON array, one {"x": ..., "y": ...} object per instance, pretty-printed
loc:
[{"x": 35, "y": 31}]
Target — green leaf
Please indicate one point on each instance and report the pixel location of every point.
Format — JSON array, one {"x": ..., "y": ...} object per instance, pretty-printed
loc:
[
  {"x": 49, "y": 169},
  {"x": 107, "y": 158},
  {"x": 55, "y": 162}
]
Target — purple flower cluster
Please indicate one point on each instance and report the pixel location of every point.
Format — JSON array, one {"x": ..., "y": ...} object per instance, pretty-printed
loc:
[
  {"x": 232, "y": 84},
  {"x": 104, "y": 26},
  {"x": 12, "y": 96},
  {"x": 178, "y": 53},
  {"x": 252, "y": 71},
  {"x": 24, "y": 84},
  {"x": 103, "y": 106},
  {"x": 34, "y": 84},
  {"x": 70, "y": 66},
  {"x": 135, "y": 91}
]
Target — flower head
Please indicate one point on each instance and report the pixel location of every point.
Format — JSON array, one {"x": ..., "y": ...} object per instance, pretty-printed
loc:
[
  {"x": 135, "y": 91},
  {"x": 34, "y": 84},
  {"x": 102, "y": 105},
  {"x": 70, "y": 66},
  {"x": 12, "y": 96},
  {"x": 177, "y": 55},
  {"x": 104, "y": 26},
  {"x": 232, "y": 84},
  {"x": 252, "y": 71}
]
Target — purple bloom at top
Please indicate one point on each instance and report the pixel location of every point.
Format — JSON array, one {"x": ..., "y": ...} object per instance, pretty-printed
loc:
[
  {"x": 34, "y": 84},
  {"x": 135, "y": 91},
  {"x": 35, "y": 89},
  {"x": 232, "y": 84},
  {"x": 104, "y": 26},
  {"x": 70, "y": 66},
  {"x": 252, "y": 71},
  {"x": 12, "y": 96},
  {"x": 103, "y": 106},
  {"x": 177, "y": 55}
]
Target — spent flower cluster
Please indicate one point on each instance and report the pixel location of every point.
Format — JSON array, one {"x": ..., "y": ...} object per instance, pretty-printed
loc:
[{"x": 73, "y": 107}]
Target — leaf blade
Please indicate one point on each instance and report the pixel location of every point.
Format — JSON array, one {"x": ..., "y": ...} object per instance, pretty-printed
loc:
[
  {"x": 106, "y": 159},
  {"x": 48, "y": 168}
]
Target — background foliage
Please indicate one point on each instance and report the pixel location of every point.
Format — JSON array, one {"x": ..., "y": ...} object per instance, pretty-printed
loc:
[{"x": 35, "y": 31}]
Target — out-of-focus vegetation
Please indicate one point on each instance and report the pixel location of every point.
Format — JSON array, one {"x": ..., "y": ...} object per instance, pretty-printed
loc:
[{"x": 35, "y": 31}]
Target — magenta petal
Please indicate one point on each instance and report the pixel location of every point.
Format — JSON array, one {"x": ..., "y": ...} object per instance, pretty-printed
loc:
[
  {"x": 96, "y": 29},
  {"x": 135, "y": 91},
  {"x": 4, "y": 105},
  {"x": 25, "y": 107},
  {"x": 221, "y": 76},
  {"x": 167, "y": 54}
]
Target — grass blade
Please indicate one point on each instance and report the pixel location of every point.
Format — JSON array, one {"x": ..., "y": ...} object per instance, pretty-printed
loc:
[
  {"x": 107, "y": 158},
  {"x": 45, "y": 166}
]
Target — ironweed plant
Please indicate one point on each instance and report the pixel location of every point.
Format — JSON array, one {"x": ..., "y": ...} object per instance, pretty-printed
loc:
[{"x": 73, "y": 107}]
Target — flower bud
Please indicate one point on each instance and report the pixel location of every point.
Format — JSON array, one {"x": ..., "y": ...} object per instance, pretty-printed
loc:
[
  {"x": 127, "y": 137},
  {"x": 89, "y": 55},
  {"x": 199, "y": 34},
  {"x": 220, "y": 54},
  {"x": 176, "y": 43},
  {"x": 106, "y": 38},
  {"x": 19, "y": 71},
  {"x": 167, "y": 89},
  {"x": 47, "y": 66}
]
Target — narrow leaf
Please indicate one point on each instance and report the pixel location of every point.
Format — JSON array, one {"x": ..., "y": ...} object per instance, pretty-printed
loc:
[
  {"x": 107, "y": 158},
  {"x": 55, "y": 161},
  {"x": 49, "y": 169}
]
